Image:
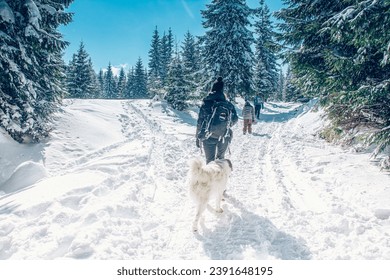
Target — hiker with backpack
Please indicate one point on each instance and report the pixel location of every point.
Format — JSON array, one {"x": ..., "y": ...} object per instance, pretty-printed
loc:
[
  {"x": 213, "y": 132},
  {"x": 248, "y": 114}
]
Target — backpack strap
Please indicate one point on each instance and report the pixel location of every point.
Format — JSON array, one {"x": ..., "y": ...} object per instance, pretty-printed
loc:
[
  {"x": 210, "y": 118},
  {"x": 228, "y": 125}
]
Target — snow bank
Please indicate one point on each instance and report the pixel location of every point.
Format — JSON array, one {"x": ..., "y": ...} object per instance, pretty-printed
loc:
[
  {"x": 21, "y": 165},
  {"x": 26, "y": 174}
]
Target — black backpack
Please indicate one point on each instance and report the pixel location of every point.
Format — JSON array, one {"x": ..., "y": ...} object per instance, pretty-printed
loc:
[{"x": 219, "y": 121}]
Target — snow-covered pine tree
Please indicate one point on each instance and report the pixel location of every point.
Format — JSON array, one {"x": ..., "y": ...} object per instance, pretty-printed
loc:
[
  {"x": 340, "y": 52},
  {"x": 169, "y": 43},
  {"x": 71, "y": 84},
  {"x": 360, "y": 63},
  {"x": 266, "y": 67},
  {"x": 110, "y": 85},
  {"x": 140, "y": 89},
  {"x": 154, "y": 82},
  {"x": 100, "y": 79},
  {"x": 166, "y": 46},
  {"x": 155, "y": 58},
  {"x": 164, "y": 65},
  {"x": 191, "y": 62},
  {"x": 177, "y": 87},
  {"x": 203, "y": 79},
  {"x": 31, "y": 66},
  {"x": 129, "y": 92},
  {"x": 227, "y": 45},
  {"x": 81, "y": 78},
  {"x": 94, "y": 86},
  {"x": 122, "y": 83},
  {"x": 301, "y": 24}
]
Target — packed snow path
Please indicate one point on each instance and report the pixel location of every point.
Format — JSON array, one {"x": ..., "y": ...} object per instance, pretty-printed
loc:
[{"x": 116, "y": 189}]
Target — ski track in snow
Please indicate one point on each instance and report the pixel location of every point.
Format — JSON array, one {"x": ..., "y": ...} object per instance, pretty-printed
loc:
[{"x": 129, "y": 199}]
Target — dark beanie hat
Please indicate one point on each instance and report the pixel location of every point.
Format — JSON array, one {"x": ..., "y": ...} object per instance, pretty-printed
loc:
[{"x": 219, "y": 79}]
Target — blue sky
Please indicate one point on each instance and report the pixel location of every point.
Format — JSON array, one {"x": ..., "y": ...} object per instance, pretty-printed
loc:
[{"x": 120, "y": 31}]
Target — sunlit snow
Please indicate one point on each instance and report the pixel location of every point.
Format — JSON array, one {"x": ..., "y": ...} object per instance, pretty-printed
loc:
[{"x": 110, "y": 183}]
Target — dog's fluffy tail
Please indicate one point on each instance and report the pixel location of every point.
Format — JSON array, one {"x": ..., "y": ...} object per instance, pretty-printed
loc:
[{"x": 196, "y": 165}]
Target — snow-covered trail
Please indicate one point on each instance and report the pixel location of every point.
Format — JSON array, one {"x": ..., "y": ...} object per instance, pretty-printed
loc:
[
  {"x": 310, "y": 191},
  {"x": 291, "y": 196},
  {"x": 136, "y": 205},
  {"x": 117, "y": 190}
]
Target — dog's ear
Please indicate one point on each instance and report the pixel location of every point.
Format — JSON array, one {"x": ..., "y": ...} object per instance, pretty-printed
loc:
[{"x": 230, "y": 164}]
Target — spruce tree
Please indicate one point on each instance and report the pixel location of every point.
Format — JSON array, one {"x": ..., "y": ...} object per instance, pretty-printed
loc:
[
  {"x": 227, "y": 44},
  {"x": 129, "y": 89},
  {"x": 154, "y": 82},
  {"x": 266, "y": 71},
  {"x": 191, "y": 61},
  {"x": 177, "y": 92},
  {"x": 139, "y": 81},
  {"x": 31, "y": 66},
  {"x": 360, "y": 67},
  {"x": 164, "y": 65},
  {"x": 110, "y": 85},
  {"x": 100, "y": 79},
  {"x": 169, "y": 49},
  {"x": 166, "y": 46},
  {"x": 81, "y": 78},
  {"x": 155, "y": 57},
  {"x": 301, "y": 25},
  {"x": 121, "y": 83},
  {"x": 94, "y": 86},
  {"x": 202, "y": 77},
  {"x": 339, "y": 52},
  {"x": 71, "y": 79}
]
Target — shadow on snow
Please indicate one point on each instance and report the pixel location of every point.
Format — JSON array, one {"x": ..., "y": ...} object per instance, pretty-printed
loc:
[{"x": 250, "y": 233}]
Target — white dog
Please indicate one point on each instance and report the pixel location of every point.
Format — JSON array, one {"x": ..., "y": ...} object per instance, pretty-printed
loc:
[{"x": 207, "y": 181}]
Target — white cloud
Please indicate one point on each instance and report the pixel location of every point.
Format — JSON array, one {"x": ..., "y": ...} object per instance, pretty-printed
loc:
[{"x": 116, "y": 68}]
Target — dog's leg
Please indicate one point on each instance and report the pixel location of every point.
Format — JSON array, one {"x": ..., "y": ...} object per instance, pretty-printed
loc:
[
  {"x": 218, "y": 203},
  {"x": 200, "y": 210}
]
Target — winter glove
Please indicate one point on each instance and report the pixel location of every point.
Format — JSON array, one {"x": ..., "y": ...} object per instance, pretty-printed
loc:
[{"x": 197, "y": 143}]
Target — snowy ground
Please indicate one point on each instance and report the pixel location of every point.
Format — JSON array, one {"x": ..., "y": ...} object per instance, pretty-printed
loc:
[{"x": 110, "y": 184}]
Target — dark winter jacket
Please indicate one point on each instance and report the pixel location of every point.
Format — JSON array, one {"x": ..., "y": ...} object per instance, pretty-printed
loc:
[
  {"x": 258, "y": 101},
  {"x": 206, "y": 110}
]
